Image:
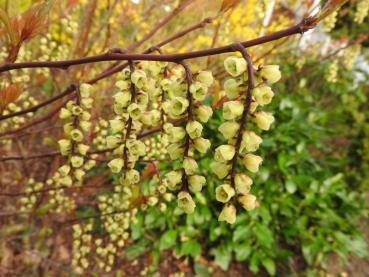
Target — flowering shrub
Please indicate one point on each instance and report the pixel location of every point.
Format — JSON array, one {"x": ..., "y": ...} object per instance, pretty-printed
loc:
[{"x": 222, "y": 160}]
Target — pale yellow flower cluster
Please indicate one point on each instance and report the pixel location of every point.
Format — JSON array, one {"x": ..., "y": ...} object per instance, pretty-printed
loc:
[{"x": 234, "y": 129}]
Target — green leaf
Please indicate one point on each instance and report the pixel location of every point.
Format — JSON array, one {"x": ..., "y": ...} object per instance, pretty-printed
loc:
[
  {"x": 136, "y": 249},
  {"x": 269, "y": 266},
  {"x": 222, "y": 255},
  {"x": 241, "y": 233},
  {"x": 191, "y": 247},
  {"x": 168, "y": 239},
  {"x": 242, "y": 251}
]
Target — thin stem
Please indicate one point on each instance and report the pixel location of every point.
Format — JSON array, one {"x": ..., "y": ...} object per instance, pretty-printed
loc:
[
  {"x": 301, "y": 27},
  {"x": 246, "y": 110}
]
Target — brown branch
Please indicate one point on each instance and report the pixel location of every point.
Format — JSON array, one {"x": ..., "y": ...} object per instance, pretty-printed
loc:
[
  {"x": 246, "y": 110},
  {"x": 301, "y": 27}
]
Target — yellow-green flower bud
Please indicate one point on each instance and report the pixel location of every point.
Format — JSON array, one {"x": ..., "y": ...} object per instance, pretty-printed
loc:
[
  {"x": 243, "y": 183},
  {"x": 175, "y": 151},
  {"x": 196, "y": 183},
  {"x": 224, "y": 153},
  {"x": 76, "y": 161},
  {"x": 65, "y": 146},
  {"x": 76, "y": 135},
  {"x": 152, "y": 201},
  {"x": 203, "y": 113},
  {"x": 79, "y": 173},
  {"x": 85, "y": 125},
  {"x": 248, "y": 201},
  {"x": 122, "y": 98},
  {"x": 85, "y": 90},
  {"x": 139, "y": 78},
  {"x": 205, "y": 77},
  {"x": 270, "y": 73},
  {"x": 113, "y": 141},
  {"x": 76, "y": 110},
  {"x": 229, "y": 129},
  {"x": 142, "y": 100},
  {"x": 263, "y": 95},
  {"x": 263, "y": 120},
  {"x": 232, "y": 109},
  {"x": 122, "y": 85},
  {"x": 220, "y": 169},
  {"x": 134, "y": 111},
  {"x": 173, "y": 180},
  {"x": 86, "y": 103},
  {"x": 133, "y": 176},
  {"x": 116, "y": 125},
  {"x": 194, "y": 129},
  {"x": 68, "y": 127},
  {"x": 178, "y": 106},
  {"x": 64, "y": 170},
  {"x": 202, "y": 145},
  {"x": 252, "y": 162},
  {"x": 176, "y": 134},
  {"x": 250, "y": 141},
  {"x": 66, "y": 180},
  {"x": 82, "y": 149},
  {"x": 136, "y": 147},
  {"x": 116, "y": 165},
  {"x": 235, "y": 66},
  {"x": 228, "y": 214},
  {"x": 232, "y": 88},
  {"x": 185, "y": 202},
  {"x": 253, "y": 106},
  {"x": 64, "y": 114},
  {"x": 224, "y": 193},
  {"x": 165, "y": 84},
  {"x": 189, "y": 165},
  {"x": 198, "y": 91}
]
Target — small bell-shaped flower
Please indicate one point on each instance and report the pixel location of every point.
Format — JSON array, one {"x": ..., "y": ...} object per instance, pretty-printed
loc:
[
  {"x": 122, "y": 98},
  {"x": 194, "y": 129},
  {"x": 139, "y": 78},
  {"x": 116, "y": 165},
  {"x": 64, "y": 170},
  {"x": 270, "y": 73},
  {"x": 205, "y": 77},
  {"x": 243, "y": 183},
  {"x": 229, "y": 129},
  {"x": 78, "y": 174},
  {"x": 224, "y": 193},
  {"x": 174, "y": 179},
  {"x": 76, "y": 135},
  {"x": 263, "y": 95},
  {"x": 82, "y": 149},
  {"x": 198, "y": 91},
  {"x": 202, "y": 145},
  {"x": 113, "y": 141},
  {"x": 178, "y": 106},
  {"x": 250, "y": 141},
  {"x": 134, "y": 111},
  {"x": 175, "y": 151},
  {"x": 116, "y": 125},
  {"x": 232, "y": 88},
  {"x": 248, "y": 201},
  {"x": 252, "y": 162},
  {"x": 65, "y": 146},
  {"x": 263, "y": 120},
  {"x": 203, "y": 113},
  {"x": 228, "y": 214},
  {"x": 220, "y": 169},
  {"x": 189, "y": 165},
  {"x": 224, "y": 153},
  {"x": 235, "y": 66},
  {"x": 232, "y": 110},
  {"x": 196, "y": 183},
  {"x": 185, "y": 202},
  {"x": 65, "y": 114},
  {"x": 76, "y": 161}
]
